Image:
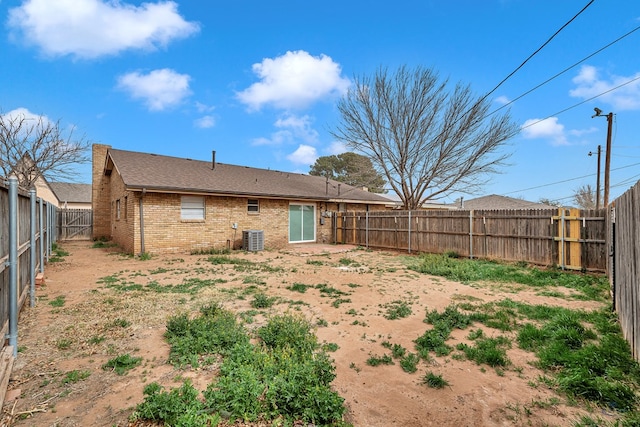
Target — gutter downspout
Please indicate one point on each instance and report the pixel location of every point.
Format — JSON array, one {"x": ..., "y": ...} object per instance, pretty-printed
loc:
[{"x": 144, "y": 191}]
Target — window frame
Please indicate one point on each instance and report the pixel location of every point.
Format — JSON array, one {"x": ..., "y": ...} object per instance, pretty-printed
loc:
[
  {"x": 192, "y": 208},
  {"x": 255, "y": 205}
]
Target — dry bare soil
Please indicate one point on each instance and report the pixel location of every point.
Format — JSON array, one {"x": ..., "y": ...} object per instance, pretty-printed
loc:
[{"x": 93, "y": 321}]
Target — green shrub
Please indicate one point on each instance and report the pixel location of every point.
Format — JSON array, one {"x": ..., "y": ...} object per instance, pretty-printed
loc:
[
  {"x": 434, "y": 381},
  {"x": 177, "y": 407}
]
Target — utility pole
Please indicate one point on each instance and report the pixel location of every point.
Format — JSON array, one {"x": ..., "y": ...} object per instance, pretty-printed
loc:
[
  {"x": 607, "y": 156},
  {"x": 607, "y": 160},
  {"x": 598, "y": 178}
]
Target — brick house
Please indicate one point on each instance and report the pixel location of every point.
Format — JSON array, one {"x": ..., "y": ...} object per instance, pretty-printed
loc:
[{"x": 160, "y": 204}]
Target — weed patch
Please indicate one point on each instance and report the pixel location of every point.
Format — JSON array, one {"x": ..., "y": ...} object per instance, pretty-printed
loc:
[{"x": 122, "y": 364}]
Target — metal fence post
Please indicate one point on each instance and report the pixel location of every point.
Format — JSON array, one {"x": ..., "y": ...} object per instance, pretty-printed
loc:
[
  {"x": 41, "y": 236},
  {"x": 32, "y": 248},
  {"x": 13, "y": 264}
]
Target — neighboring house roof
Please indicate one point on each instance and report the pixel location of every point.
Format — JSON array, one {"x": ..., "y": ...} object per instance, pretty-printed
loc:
[
  {"x": 153, "y": 172},
  {"x": 71, "y": 192},
  {"x": 494, "y": 201}
]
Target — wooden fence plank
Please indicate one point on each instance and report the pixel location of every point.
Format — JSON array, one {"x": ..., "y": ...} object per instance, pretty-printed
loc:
[{"x": 511, "y": 235}]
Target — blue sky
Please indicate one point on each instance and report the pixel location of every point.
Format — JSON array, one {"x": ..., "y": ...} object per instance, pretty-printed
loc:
[{"x": 258, "y": 81}]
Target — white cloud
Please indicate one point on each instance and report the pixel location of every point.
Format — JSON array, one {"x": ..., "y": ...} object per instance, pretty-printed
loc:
[
  {"x": 204, "y": 108},
  {"x": 304, "y": 155},
  {"x": 160, "y": 89},
  {"x": 581, "y": 132},
  {"x": 545, "y": 129},
  {"x": 502, "y": 100},
  {"x": 94, "y": 28},
  {"x": 589, "y": 84},
  {"x": 205, "y": 122},
  {"x": 24, "y": 114},
  {"x": 292, "y": 129},
  {"x": 294, "y": 80},
  {"x": 335, "y": 148}
]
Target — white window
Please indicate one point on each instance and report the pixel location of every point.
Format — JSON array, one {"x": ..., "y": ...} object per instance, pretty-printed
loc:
[
  {"x": 118, "y": 209},
  {"x": 253, "y": 205},
  {"x": 192, "y": 207}
]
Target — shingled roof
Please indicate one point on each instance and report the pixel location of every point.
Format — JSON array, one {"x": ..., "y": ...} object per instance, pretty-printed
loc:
[
  {"x": 71, "y": 192},
  {"x": 494, "y": 201},
  {"x": 157, "y": 173}
]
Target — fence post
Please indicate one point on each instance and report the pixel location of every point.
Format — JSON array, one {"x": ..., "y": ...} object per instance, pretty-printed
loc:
[
  {"x": 409, "y": 244},
  {"x": 41, "y": 237},
  {"x": 32, "y": 248},
  {"x": 13, "y": 264},
  {"x": 471, "y": 234},
  {"x": 366, "y": 235}
]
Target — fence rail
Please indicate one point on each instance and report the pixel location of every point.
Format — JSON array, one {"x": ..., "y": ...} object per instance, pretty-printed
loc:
[
  {"x": 27, "y": 230},
  {"x": 572, "y": 239}
]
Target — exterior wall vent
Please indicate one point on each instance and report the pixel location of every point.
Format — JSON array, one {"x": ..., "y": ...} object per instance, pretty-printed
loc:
[{"x": 253, "y": 240}]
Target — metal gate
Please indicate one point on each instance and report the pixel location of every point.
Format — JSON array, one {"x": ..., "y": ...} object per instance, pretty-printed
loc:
[{"x": 75, "y": 224}]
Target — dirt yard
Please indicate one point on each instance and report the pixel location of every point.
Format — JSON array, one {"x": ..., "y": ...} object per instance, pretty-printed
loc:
[{"x": 89, "y": 311}]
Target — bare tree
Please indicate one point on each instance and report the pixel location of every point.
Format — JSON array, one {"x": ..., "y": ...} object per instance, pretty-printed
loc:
[
  {"x": 428, "y": 141},
  {"x": 585, "y": 197},
  {"x": 32, "y": 146}
]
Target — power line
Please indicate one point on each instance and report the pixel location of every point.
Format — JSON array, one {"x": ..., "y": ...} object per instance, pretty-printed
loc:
[
  {"x": 564, "y": 71},
  {"x": 566, "y": 180},
  {"x": 537, "y": 50},
  {"x": 579, "y": 103}
]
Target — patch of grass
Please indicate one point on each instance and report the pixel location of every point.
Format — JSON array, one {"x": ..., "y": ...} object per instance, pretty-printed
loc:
[
  {"x": 144, "y": 256},
  {"x": 409, "y": 363},
  {"x": 283, "y": 378},
  {"x": 64, "y": 343},
  {"x": 596, "y": 367},
  {"x": 330, "y": 291},
  {"x": 385, "y": 359},
  {"x": 58, "y": 301},
  {"x": 434, "y": 340},
  {"x": 181, "y": 406},
  {"x": 103, "y": 244},
  {"x": 261, "y": 300},
  {"x": 314, "y": 262},
  {"x": 211, "y": 251},
  {"x": 216, "y": 330},
  {"x": 591, "y": 287},
  {"x": 434, "y": 381},
  {"x": 57, "y": 253},
  {"x": 96, "y": 339},
  {"x": 75, "y": 376},
  {"x": 122, "y": 364},
  {"x": 330, "y": 347},
  {"x": 339, "y": 301},
  {"x": 397, "y": 310},
  {"x": 298, "y": 287},
  {"x": 489, "y": 351},
  {"x": 190, "y": 286},
  {"x": 119, "y": 323}
]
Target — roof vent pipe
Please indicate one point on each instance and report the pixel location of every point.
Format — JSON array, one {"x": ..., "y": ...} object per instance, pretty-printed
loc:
[
  {"x": 338, "y": 189},
  {"x": 213, "y": 159}
]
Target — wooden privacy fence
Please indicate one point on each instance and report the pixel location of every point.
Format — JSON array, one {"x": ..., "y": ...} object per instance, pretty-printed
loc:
[
  {"x": 624, "y": 271},
  {"x": 27, "y": 230},
  {"x": 572, "y": 239},
  {"x": 75, "y": 224}
]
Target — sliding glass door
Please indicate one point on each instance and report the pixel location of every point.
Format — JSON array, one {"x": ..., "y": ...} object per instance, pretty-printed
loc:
[{"x": 302, "y": 223}]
